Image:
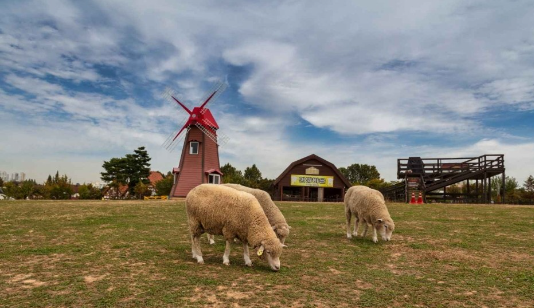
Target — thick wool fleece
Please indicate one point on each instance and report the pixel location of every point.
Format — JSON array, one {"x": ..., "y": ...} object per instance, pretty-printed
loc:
[
  {"x": 367, "y": 204},
  {"x": 221, "y": 210},
  {"x": 273, "y": 213}
]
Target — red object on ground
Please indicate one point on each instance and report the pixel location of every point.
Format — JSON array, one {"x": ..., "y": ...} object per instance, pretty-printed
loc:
[
  {"x": 420, "y": 199},
  {"x": 412, "y": 200}
]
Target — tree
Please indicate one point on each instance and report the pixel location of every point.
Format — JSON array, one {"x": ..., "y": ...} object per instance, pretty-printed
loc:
[
  {"x": 510, "y": 188},
  {"x": 27, "y": 188},
  {"x": 89, "y": 192},
  {"x": 11, "y": 190},
  {"x": 1, "y": 182},
  {"x": 376, "y": 184},
  {"x": 252, "y": 176},
  {"x": 232, "y": 175},
  {"x": 529, "y": 188},
  {"x": 141, "y": 190},
  {"x": 360, "y": 173},
  {"x": 138, "y": 168},
  {"x": 84, "y": 192},
  {"x": 59, "y": 187},
  {"x": 128, "y": 170},
  {"x": 164, "y": 187}
]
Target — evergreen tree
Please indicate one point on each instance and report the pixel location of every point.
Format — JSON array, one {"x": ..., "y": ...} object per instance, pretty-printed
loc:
[
  {"x": 60, "y": 188},
  {"x": 252, "y": 176},
  {"x": 129, "y": 170},
  {"x": 529, "y": 188}
]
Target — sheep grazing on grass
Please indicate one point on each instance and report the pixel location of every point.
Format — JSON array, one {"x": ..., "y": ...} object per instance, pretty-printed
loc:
[
  {"x": 221, "y": 210},
  {"x": 369, "y": 207},
  {"x": 275, "y": 217}
]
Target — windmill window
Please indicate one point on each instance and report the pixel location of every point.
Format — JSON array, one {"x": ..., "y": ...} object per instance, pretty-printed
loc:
[
  {"x": 193, "y": 147},
  {"x": 214, "y": 179}
]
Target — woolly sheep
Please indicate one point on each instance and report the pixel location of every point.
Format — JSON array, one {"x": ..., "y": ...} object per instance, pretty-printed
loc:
[
  {"x": 368, "y": 206},
  {"x": 275, "y": 217},
  {"x": 221, "y": 210}
]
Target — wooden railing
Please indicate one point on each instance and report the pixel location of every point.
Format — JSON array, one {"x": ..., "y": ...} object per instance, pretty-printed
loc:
[{"x": 432, "y": 166}]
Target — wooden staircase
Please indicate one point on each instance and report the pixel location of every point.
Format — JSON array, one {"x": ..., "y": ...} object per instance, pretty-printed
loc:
[{"x": 435, "y": 174}]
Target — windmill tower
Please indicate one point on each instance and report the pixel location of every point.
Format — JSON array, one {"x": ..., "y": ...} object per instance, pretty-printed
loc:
[{"x": 199, "y": 162}]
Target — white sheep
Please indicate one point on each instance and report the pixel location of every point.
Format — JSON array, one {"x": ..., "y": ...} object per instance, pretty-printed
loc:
[
  {"x": 273, "y": 213},
  {"x": 221, "y": 210},
  {"x": 368, "y": 206}
]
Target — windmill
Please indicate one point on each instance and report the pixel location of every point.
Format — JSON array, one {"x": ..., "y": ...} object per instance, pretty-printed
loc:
[{"x": 199, "y": 162}]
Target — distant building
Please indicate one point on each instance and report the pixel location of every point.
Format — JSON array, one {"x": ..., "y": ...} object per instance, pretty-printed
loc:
[
  {"x": 14, "y": 177},
  {"x": 154, "y": 177},
  {"x": 4, "y": 176},
  {"x": 98, "y": 185},
  {"x": 311, "y": 178}
]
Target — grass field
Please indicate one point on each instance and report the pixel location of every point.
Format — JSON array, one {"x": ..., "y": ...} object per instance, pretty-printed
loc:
[{"x": 137, "y": 253}]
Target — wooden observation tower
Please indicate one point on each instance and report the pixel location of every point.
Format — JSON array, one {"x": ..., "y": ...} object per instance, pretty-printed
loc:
[
  {"x": 199, "y": 161},
  {"x": 433, "y": 178}
]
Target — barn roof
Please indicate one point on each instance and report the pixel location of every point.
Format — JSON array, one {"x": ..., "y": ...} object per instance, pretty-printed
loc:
[{"x": 309, "y": 157}]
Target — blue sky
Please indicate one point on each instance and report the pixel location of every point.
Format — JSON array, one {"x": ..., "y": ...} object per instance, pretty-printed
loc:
[{"x": 81, "y": 81}]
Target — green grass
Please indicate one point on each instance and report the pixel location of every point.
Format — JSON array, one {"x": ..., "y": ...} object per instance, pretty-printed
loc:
[{"x": 137, "y": 253}]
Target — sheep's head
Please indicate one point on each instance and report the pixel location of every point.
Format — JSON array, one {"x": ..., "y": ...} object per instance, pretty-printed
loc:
[
  {"x": 282, "y": 231},
  {"x": 271, "y": 249},
  {"x": 385, "y": 228}
]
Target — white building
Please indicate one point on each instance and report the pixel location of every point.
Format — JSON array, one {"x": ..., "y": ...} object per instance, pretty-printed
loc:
[{"x": 16, "y": 176}]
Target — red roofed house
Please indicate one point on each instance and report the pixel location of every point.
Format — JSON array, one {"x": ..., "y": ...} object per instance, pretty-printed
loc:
[{"x": 154, "y": 177}]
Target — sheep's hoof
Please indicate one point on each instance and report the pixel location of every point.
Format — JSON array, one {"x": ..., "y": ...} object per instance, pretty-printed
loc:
[
  {"x": 212, "y": 242},
  {"x": 354, "y": 234},
  {"x": 349, "y": 236},
  {"x": 249, "y": 264},
  {"x": 375, "y": 240},
  {"x": 226, "y": 263}
]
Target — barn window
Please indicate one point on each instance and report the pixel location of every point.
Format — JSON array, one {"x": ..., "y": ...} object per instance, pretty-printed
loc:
[
  {"x": 193, "y": 147},
  {"x": 214, "y": 179}
]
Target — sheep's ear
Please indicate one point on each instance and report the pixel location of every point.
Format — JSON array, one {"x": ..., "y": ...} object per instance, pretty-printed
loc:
[
  {"x": 289, "y": 227},
  {"x": 260, "y": 251},
  {"x": 380, "y": 220},
  {"x": 274, "y": 228},
  {"x": 284, "y": 246}
]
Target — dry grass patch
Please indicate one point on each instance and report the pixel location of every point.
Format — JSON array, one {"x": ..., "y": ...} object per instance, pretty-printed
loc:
[{"x": 137, "y": 253}]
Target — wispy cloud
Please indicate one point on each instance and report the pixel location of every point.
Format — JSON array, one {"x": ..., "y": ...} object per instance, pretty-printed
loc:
[{"x": 382, "y": 80}]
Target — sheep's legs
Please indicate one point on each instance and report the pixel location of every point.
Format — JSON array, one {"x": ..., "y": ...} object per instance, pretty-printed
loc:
[
  {"x": 375, "y": 237},
  {"x": 211, "y": 238},
  {"x": 197, "y": 253},
  {"x": 365, "y": 229},
  {"x": 246, "y": 256},
  {"x": 348, "y": 215},
  {"x": 226, "y": 256},
  {"x": 356, "y": 226}
]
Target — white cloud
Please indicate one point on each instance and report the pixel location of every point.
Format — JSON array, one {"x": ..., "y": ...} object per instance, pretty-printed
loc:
[{"x": 360, "y": 70}]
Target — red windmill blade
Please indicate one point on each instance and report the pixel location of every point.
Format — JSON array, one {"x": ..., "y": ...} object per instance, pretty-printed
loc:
[{"x": 200, "y": 117}]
